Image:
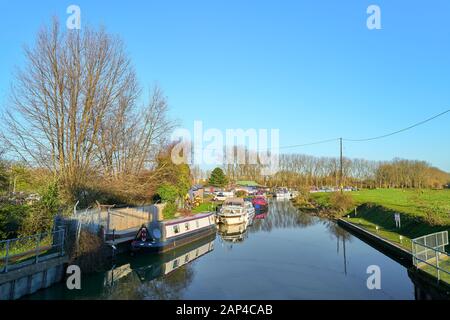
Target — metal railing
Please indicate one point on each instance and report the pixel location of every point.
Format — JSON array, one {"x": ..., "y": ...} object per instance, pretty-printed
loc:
[
  {"x": 430, "y": 251},
  {"x": 93, "y": 219},
  {"x": 20, "y": 252}
]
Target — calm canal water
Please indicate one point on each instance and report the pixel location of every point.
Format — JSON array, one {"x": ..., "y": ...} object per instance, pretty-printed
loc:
[{"x": 284, "y": 254}]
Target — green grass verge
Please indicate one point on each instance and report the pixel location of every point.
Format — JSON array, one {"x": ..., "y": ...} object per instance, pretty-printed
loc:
[
  {"x": 422, "y": 212},
  {"x": 412, "y": 202},
  {"x": 205, "y": 207}
]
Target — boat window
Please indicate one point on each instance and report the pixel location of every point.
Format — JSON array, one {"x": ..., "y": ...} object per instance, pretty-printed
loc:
[
  {"x": 175, "y": 263},
  {"x": 176, "y": 229},
  {"x": 186, "y": 225},
  {"x": 197, "y": 223}
]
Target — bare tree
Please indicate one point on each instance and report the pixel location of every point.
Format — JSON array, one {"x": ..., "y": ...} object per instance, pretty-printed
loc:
[
  {"x": 71, "y": 82},
  {"x": 130, "y": 137}
]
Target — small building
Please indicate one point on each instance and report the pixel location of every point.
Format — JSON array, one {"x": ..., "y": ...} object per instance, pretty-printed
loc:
[{"x": 197, "y": 191}]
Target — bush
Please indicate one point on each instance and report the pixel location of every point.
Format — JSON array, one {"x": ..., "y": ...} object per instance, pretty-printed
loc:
[
  {"x": 42, "y": 213},
  {"x": 169, "y": 210},
  {"x": 434, "y": 215},
  {"x": 241, "y": 193},
  {"x": 341, "y": 201},
  {"x": 11, "y": 220},
  {"x": 303, "y": 201},
  {"x": 167, "y": 193}
]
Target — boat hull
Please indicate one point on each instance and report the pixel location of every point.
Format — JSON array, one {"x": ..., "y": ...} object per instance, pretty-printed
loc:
[
  {"x": 261, "y": 207},
  {"x": 172, "y": 243},
  {"x": 231, "y": 220}
]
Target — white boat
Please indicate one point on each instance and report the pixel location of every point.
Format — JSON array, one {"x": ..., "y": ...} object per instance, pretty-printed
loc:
[
  {"x": 250, "y": 209},
  {"x": 233, "y": 211},
  {"x": 283, "y": 193}
]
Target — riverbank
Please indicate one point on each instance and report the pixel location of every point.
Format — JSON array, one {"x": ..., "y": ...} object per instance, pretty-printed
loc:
[{"x": 422, "y": 212}]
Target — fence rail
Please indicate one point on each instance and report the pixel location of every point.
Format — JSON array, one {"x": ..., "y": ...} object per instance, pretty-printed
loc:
[
  {"x": 19, "y": 252},
  {"x": 430, "y": 251}
]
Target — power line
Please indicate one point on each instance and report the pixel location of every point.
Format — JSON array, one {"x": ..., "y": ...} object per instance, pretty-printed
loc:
[
  {"x": 309, "y": 144},
  {"x": 368, "y": 139},
  {"x": 302, "y": 145},
  {"x": 357, "y": 140},
  {"x": 289, "y": 146},
  {"x": 402, "y": 130}
]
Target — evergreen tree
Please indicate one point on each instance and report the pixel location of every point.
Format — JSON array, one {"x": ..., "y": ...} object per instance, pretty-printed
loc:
[{"x": 218, "y": 178}]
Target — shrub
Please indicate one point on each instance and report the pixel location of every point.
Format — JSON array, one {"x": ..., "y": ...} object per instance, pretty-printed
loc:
[
  {"x": 341, "y": 201},
  {"x": 303, "y": 201},
  {"x": 167, "y": 193},
  {"x": 11, "y": 220},
  {"x": 169, "y": 210},
  {"x": 42, "y": 213},
  {"x": 241, "y": 193},
  {"x": 434, "y": 215}
]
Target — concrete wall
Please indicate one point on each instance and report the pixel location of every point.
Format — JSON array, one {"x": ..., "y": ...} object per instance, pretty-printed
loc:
[{"x": 27, "y": 280}]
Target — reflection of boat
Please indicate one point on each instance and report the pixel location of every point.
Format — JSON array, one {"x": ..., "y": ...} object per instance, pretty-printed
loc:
[
  {"x": 166, "y": 235},
  {"x": 260, "y": 203},
  {"x": 234, "y": 232},
  {"x": 233, "y": 211},
  {"x": 149, "y": 267},
  {"x": 261, "y": 215}
]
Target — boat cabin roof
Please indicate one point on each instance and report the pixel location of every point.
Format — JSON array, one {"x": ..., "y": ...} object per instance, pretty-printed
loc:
[{"x": 234, "y": 201}]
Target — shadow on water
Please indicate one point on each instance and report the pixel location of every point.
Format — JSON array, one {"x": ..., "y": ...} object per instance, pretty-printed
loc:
[
  {"x": 309, "y": 257},
  {"x": 144, "y": 276}
]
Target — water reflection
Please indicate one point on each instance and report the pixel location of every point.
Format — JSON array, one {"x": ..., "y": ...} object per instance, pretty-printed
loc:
[
  {"x": 308, "y": 257},
  {"x": 233, "y": 233},
  {"x": 281, "y": 215},
  {"x": 152, "y": 276}
]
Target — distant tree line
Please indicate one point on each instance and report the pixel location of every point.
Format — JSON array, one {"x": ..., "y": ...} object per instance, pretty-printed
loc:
[{"x": 299, "y": 170}]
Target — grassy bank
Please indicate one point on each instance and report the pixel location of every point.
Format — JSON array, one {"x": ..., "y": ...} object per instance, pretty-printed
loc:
[
  {"x": 422, "y": 212},
  {"x": 205, "y": 207},
  {"x": 415, "y": 203}
]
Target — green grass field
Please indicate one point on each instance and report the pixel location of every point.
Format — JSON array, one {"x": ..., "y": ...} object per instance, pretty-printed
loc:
[
  {"x": 205, "y": 207},
  {"x": 376, "y": 208},
  {"x": 415, "y": 203}
]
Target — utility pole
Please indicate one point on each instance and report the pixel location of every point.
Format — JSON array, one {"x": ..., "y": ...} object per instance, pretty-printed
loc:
[{"x": 340, "y": 166}]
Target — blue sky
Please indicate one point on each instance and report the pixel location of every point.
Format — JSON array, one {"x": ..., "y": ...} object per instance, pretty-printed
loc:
[{"x": 310, "y": 68}]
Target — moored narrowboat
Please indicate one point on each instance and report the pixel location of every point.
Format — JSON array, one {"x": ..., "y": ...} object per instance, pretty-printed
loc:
[{"x": 161, "y": 236}]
